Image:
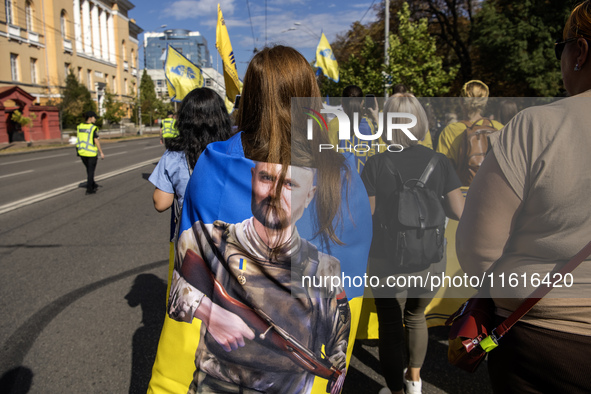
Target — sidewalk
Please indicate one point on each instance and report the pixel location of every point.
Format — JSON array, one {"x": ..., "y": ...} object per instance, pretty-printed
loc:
[{"x": 106, "y": 136}]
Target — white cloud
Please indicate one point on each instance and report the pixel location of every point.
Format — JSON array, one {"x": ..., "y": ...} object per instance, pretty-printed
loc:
[{"x": 187, "y": 9}]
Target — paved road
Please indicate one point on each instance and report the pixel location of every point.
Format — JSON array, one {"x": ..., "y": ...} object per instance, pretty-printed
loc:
[
  {"x": 26, "y": 176},
  {"x": 82, "y": 284}
]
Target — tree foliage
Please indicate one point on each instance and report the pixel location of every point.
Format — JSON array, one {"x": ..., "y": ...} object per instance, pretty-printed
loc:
[
  {"x": 505, "y": 43},
  {"x": 148, "y": 99},
  {"x": 413, "y": 62},
  {"x": 413, "y": 58},
  {"x": 516, "y": 45},
  {"x": 76, "y": 100},
  {"x": 152, "y": 107},
  {"x": 114, "y": 110}
]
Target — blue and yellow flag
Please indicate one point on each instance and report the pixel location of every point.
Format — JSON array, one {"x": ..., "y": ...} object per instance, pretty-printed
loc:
[
  {"x": 222, "y": 43},
  {"x": 182, "y": 76},
  {"x": 325, "y": 59}
]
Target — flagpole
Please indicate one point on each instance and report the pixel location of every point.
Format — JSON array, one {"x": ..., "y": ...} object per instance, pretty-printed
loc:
[{"x": 387, "y": 42}]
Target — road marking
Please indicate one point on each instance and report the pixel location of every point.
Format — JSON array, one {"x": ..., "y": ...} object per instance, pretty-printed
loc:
[
  {"x": 72, "y": 186},
  {"x": 155, "y": 146},
  {"x": 115, "y": 154},
  {"x": 37, "y": 158},
  {"x": 16, "y": 173}
]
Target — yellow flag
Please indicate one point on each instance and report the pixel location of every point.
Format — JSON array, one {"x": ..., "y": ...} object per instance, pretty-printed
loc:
[
  {"x": 222, "y": 43},
  {"x": 325, "y": 59},
  {"x": 182, "y": 76}
]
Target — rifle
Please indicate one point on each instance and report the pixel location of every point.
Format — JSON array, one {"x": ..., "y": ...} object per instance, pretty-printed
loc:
[{"x": 198, "y": 274}]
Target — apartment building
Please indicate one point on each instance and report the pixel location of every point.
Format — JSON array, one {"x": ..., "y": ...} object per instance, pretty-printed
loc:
[{"x": 41, "y": 41}]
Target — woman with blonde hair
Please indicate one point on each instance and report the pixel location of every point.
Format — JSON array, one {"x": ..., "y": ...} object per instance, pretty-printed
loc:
[
  {"x": 527, "y": 203},
  {"x": 474, "y": 99},
  {"x": 401, "y": 310}
]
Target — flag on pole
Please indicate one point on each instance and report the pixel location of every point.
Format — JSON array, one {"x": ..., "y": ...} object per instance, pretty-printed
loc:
[
  {"x": 222, "y": 43},
  {"x": 325, "y": 59},
  {"x": 182, "y": 76}
]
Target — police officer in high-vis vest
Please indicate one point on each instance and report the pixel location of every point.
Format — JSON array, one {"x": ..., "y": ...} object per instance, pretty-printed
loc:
[
  {"x": 168, "y": 128},
  {"x": 88, "y": 148}
]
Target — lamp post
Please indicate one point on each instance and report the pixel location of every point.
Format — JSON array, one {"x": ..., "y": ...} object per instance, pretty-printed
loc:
[{"x": 387, "y": 41}]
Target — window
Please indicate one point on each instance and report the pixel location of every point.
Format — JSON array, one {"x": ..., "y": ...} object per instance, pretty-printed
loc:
[
  {"x": 33, "y": 71},
  {"x": 79, "y": 74},
  {"x": 132, "y": 58},
  {"x": 89, "y": 79},
  {"x": 14, "y": 66},
  {"x": 67, "y": 69},
  {"x": 123, "y": 49},
  {"x": 64, "y": 24},
  {"x": 114, "y": 85},
  {"x": 9, "y": 12},
  {"x": 29, "y": 16},
  {"x": 125, "y": 85}
]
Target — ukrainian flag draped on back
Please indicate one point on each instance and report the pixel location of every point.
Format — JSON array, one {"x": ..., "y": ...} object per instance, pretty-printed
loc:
[
  {"x": 222, "y": 43},
  {"x": 325, "y": 59},
  {"x": 182, "y": 76}
]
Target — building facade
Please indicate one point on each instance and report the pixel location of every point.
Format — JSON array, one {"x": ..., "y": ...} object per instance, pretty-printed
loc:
[
  {"x": 190, "y": 43},
  {"x": 41, "y": 41}
]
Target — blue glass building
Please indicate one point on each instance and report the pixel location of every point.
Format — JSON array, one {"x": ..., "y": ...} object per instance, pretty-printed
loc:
[{"x": 190, "y": 43}]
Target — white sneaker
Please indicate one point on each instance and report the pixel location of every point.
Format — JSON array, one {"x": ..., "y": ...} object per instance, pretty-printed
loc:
[
  {"x": 384, "y": 390},
  {"x": 413, "y": 387}
]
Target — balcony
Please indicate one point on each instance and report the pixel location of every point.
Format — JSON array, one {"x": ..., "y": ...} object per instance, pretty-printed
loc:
[
  {"x": 68, "y": 46},
  {"x": 125, "y": 66},
  {"x": 14, "y": 32},
  {"x": 33, "y": 38},
  {"x": 134, "y": 71}
]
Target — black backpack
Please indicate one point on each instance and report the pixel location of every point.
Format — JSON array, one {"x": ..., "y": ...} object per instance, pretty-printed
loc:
[{"x": 413, "y": 224}]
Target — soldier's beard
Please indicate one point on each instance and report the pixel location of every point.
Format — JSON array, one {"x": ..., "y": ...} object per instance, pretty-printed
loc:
[{"x": 269, "y": 214}]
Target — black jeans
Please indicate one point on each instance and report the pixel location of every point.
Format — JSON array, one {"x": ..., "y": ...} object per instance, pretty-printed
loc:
[{"x": 90, "y": 164}]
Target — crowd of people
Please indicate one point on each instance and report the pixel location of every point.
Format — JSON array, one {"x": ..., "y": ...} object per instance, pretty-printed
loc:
[{"x": 259, "y": 208}]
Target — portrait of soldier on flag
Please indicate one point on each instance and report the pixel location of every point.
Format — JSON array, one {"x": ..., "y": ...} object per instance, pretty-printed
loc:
[
  {"x": 268, "y": 221},
  {"x": 262, "y": 328}
]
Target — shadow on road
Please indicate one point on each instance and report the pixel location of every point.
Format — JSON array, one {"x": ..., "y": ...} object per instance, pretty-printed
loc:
[
  {"x": 148, "y": 292},
  {"x": 365, "y": 373},
  {"x": 16, "y": 381}
]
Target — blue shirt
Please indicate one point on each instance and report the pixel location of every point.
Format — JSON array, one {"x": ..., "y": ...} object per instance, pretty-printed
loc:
[{"x": 171, "y": 175}]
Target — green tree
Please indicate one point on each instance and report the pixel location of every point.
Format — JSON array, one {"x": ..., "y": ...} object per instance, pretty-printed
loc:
[
  {"x": 114, "y": 110},
  {"x": 413, "y": 61},
  {"x": 148, "y": 100},
  {"x": 76, "y": 100},
  {"x": 413, "y": 58},
  {"x": 516, "y": 45}
]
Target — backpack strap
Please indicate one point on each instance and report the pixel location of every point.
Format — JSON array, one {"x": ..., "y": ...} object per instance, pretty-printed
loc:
[{"x": 429, "y": 169}]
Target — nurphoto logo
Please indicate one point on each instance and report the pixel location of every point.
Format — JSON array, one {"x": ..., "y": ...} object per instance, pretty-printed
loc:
[{"x": 344, "y": 133}]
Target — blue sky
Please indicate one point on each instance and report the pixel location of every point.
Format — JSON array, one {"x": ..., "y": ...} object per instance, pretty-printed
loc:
[{"x": 278, "y": 26}]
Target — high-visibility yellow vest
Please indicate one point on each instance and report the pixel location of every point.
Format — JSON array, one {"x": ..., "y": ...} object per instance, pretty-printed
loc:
[
  {"x": 169, "y": 128},
  {"x": 85, "y": 144}
]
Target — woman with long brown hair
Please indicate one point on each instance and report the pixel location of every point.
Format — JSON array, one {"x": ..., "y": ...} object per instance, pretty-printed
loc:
[{"x": 263, "y": 328}]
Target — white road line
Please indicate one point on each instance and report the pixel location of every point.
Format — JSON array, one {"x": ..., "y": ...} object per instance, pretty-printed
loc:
[
  {"x": 155, "y": 146},
  {"x": 72, "y": 186},
  {"x": 16, "y": 173},
  {"x": 36, "y": 158},
  {"x": 115, "y": 154}
]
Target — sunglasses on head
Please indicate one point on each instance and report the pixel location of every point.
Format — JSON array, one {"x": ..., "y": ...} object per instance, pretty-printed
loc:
[{"x": 559, "y": 45}]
